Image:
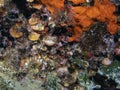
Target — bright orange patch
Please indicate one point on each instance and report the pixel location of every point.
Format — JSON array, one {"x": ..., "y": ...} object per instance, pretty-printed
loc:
[{"x": 103, "y": 10}]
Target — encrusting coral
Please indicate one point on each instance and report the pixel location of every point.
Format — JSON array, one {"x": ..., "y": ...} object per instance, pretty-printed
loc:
[
  {"x": 15, "y": 30},
  {"x": 33, "y": 36}
]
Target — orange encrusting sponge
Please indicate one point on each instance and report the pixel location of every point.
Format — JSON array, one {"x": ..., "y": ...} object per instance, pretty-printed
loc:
[{"x": 85, "y": 16}]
